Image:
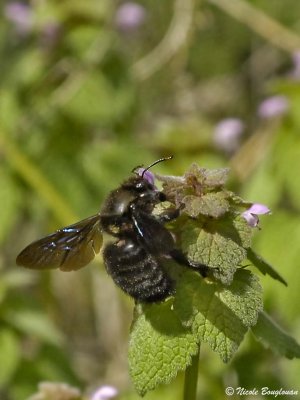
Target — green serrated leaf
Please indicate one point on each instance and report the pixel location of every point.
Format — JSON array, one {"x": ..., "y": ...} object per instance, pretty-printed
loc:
[
  {"x": 263, "y": 266},
  {"x": 209, "y": 178},
  {"x": 159, "y": 347},
  {"x": 237, "y": 200},
  {"x": 219, "y": 315},
  {"x": 196, "y": 183},
  {"x": 211, "y": 204},
  {"x": 243, "y": 232},
  {"x": 274, "y": 337},
  {"x": 218, "y": 243}
]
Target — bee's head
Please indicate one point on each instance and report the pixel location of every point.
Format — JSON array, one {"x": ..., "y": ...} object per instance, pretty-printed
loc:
[
  {"x": 140, "y": 186},
  {"x": 143, "y": 182},
  {"x": 139, "y": 190}
]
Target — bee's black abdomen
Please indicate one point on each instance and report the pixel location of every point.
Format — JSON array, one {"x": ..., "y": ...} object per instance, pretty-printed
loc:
[{"x": 137, "y": 272}]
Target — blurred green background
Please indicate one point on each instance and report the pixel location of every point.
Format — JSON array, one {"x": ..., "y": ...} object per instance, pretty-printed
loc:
[{"x": 88, "y": 90}]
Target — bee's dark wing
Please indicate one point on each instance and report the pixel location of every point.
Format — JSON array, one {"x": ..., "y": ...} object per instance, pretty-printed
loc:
[
  {"x": 154, "y": 236},
  {"x": 68, "y": 249}
]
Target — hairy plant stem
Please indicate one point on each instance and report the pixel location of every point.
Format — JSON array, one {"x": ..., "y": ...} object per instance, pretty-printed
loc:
[{"x": 191, "y": 378}]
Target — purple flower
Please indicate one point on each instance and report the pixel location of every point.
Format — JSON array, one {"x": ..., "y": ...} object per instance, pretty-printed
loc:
[
  {"x": 130, "y": 16},
  {"x": 105, "y": 393},
  {"x": 227, "y": 134},
  {"x": 20, "y": 15},
  {"x": 274, "y": 106},
  {"x": 251, "y": 215},
  {"x": 148, "y": 175}
]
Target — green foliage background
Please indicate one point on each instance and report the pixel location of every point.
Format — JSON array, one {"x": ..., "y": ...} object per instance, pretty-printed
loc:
[{"x": 81, "y": 103}]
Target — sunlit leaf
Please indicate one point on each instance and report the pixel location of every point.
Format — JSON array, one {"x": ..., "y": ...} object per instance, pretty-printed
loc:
[
  {"x": 159, "y": 347},
  {"x": 218, "y": 243},
  {"x": 210, "y": 204},
  {"x": 219, "y": 315}
]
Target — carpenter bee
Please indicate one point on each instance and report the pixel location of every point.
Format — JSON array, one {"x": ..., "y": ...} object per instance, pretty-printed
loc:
[{"x": 135, "y": 259}]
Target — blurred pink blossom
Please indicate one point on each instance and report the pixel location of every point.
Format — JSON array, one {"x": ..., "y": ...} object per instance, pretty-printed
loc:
[
  {"x": 227, "y": 134},
  {"x": 251, "y": 215},
  {"x": 130, "y": 16},
  {"x": 105, "y": 392},
  {"x": 20, "y": 15},
  {"x": 273, "y": 107}
]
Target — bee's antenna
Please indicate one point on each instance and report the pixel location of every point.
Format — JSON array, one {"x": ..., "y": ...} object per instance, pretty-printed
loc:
[{"x": 156, "y": 162}]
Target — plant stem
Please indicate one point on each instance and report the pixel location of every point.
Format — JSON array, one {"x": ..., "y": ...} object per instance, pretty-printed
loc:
[
  {"x": 261, "y": 23},
  {"x": 173, "y": 41},
  {"x": 191, "y": 378}
]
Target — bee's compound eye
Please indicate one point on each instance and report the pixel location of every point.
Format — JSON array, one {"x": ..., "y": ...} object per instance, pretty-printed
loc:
[
  {"x": 162, "y": 196},
  {"x": 140, "y": 186},
  {"x": 143, "y": 186}
]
